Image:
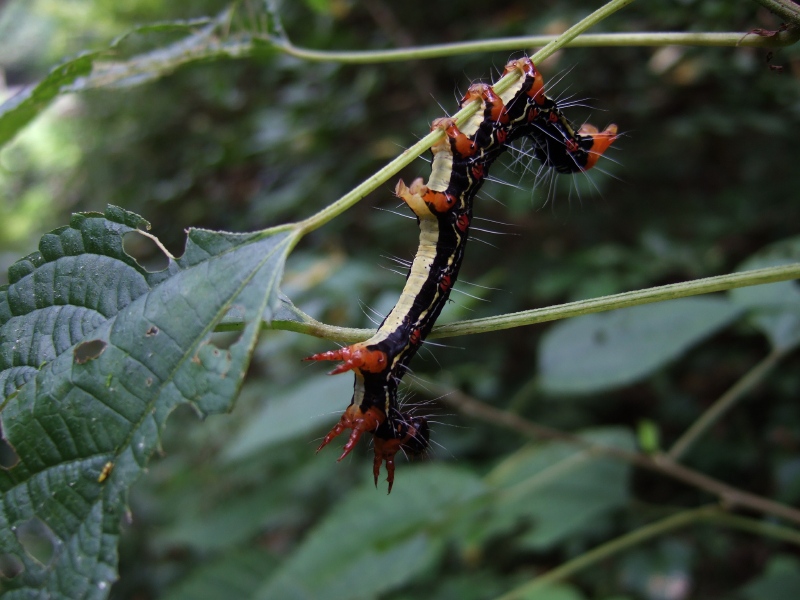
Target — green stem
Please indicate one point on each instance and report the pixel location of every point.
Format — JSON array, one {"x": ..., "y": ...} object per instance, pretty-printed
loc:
[
  {"x": 730, "y": 496},
  {"x": 591, "y": 40},
  {"x": 786, "y": 9},
  {"x": 710, "y": 513},
  {"x": 307, "y": 325},
  {"x": 725, "y": 402},
  {"x": 707, "y": 285},
  {"x": 149, "y": 66},
  {"x": 570, "y": 34},
  {"x": 351, "y": 198}
]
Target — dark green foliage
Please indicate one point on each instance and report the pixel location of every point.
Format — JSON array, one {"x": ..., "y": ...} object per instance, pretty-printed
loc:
[
  {"x": 127, "y": 348},
  {"x": 239, "y": 506}
]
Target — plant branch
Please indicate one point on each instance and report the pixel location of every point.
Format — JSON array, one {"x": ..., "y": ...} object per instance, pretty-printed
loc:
[
  {"x": 672, "y": 291},
  {"x": 786, "y": 9},
  {"x": 725, "y": 402},
  {"x": 591, "y": 40},
  {"x": 151, "y": 65},
  {"x": 709, "y": 514},
  {"x": 302, "y": 323},
  {"x": 731, "y": 497}
]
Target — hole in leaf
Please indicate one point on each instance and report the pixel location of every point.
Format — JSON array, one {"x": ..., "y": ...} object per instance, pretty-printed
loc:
[
  {"x": 224, "y": 340},
  {"x": 87, "y": 351},
  {"x": 10, "y": 566},
  {"x": 146, "y": 251},
  {"x": 37, "y": 539},
  {"x": 8, "y": 456}
]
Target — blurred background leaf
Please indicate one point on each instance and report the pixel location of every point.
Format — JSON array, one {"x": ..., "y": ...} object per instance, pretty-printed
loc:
[{"x": 703, "y": 179}]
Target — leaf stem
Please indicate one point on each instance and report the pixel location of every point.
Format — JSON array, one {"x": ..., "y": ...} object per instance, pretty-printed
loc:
[
  {"x": 148, "y": 66},
  {"x": 672, "y": 291},
  {"x": 725, "y": 402},
  {"x": 302, "y": 323},
  {"x": 591, "y": 40}
]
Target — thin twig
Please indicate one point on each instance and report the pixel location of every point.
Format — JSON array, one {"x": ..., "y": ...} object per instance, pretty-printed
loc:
[
  {"x": 725, "y": 402},
  {"x": 731, "y": 497},
  {"x": 711, "y": 514},
  {"x": 303, "y": 323}
]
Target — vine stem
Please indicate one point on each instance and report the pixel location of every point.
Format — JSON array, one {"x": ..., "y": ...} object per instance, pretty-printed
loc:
[
  {"x": 710, "y": 514},
  {"x": 151, "y": 65},
  {"x": 590, "y": 40},
  {"x": 730, "y": 496},
  {"x": 725, "y": 402},
  {"x": 302, "y": 323},
  {"x": 661, "y": 293},
  {"x": 786, "y": 9}
]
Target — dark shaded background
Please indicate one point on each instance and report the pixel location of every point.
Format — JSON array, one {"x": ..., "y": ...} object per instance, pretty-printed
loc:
[{"x": 704, "y": 176}]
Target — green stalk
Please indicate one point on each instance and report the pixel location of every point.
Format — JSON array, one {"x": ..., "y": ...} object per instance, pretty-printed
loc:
[
  {"x": 786, "y": 9},
  {"x": 710, "y": 513},
  {"x": 727, "y": 401},
  {"x": 307, "y": 325}
]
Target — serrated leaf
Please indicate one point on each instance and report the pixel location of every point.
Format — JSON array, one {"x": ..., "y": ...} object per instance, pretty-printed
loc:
[
  {"x": 186, "y": 25},
  {"x": 371, "y": 543},
  {"x": 83, "y": 430},
  {"x": 609, "y": 350},
  {"x": 774, "y": 307},
  {"x": 555, "y": 490},
  {"x": 19, "y": 110}
]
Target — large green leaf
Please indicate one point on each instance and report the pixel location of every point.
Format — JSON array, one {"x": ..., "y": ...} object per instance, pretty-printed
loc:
[
  {"x": 88, "y": 71},
  {"x": 234, "y": 575},
  {"x": 609, "y": 350},
  {"x": 780, "y": 581},
  {"x": 556, "y": 490},
  {"x": 121, "y": 349},
  {"x": 775, "y": 307},
  {"x": 370, "y": 544},
  {"x": 301, "y": 409},
  {"x": 18, "y": 111}
]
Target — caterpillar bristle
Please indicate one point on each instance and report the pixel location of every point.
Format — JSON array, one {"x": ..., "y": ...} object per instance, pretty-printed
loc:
[{"x": 443, "y": 209}]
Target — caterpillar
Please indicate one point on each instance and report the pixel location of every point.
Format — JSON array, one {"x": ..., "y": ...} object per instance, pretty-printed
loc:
[{"x": 443, "y": 208}]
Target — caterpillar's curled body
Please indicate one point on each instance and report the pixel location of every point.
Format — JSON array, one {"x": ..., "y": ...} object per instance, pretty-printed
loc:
[{"x": 443, "y": 207}]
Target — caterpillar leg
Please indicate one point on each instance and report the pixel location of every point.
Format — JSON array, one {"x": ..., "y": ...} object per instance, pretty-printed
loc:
[
  {"x": 532, "y": 76},
  {"x": 360, "y": 422},
  {"x": 409, "y": 434},
  {"x": 357, "y": 356},
  {"x": 601, "y": 140},
  {"x": 494, "y": 108}
]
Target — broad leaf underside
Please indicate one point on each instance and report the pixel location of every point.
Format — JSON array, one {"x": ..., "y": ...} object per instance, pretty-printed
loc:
[{"x": 95, "y": 352}]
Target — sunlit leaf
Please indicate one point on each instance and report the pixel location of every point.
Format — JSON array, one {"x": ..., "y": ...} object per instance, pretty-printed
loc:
[{"x": 19, "y": 110}]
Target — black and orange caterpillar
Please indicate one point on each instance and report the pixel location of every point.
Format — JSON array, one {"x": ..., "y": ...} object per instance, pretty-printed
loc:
[{"x": 443, "y": 207}]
